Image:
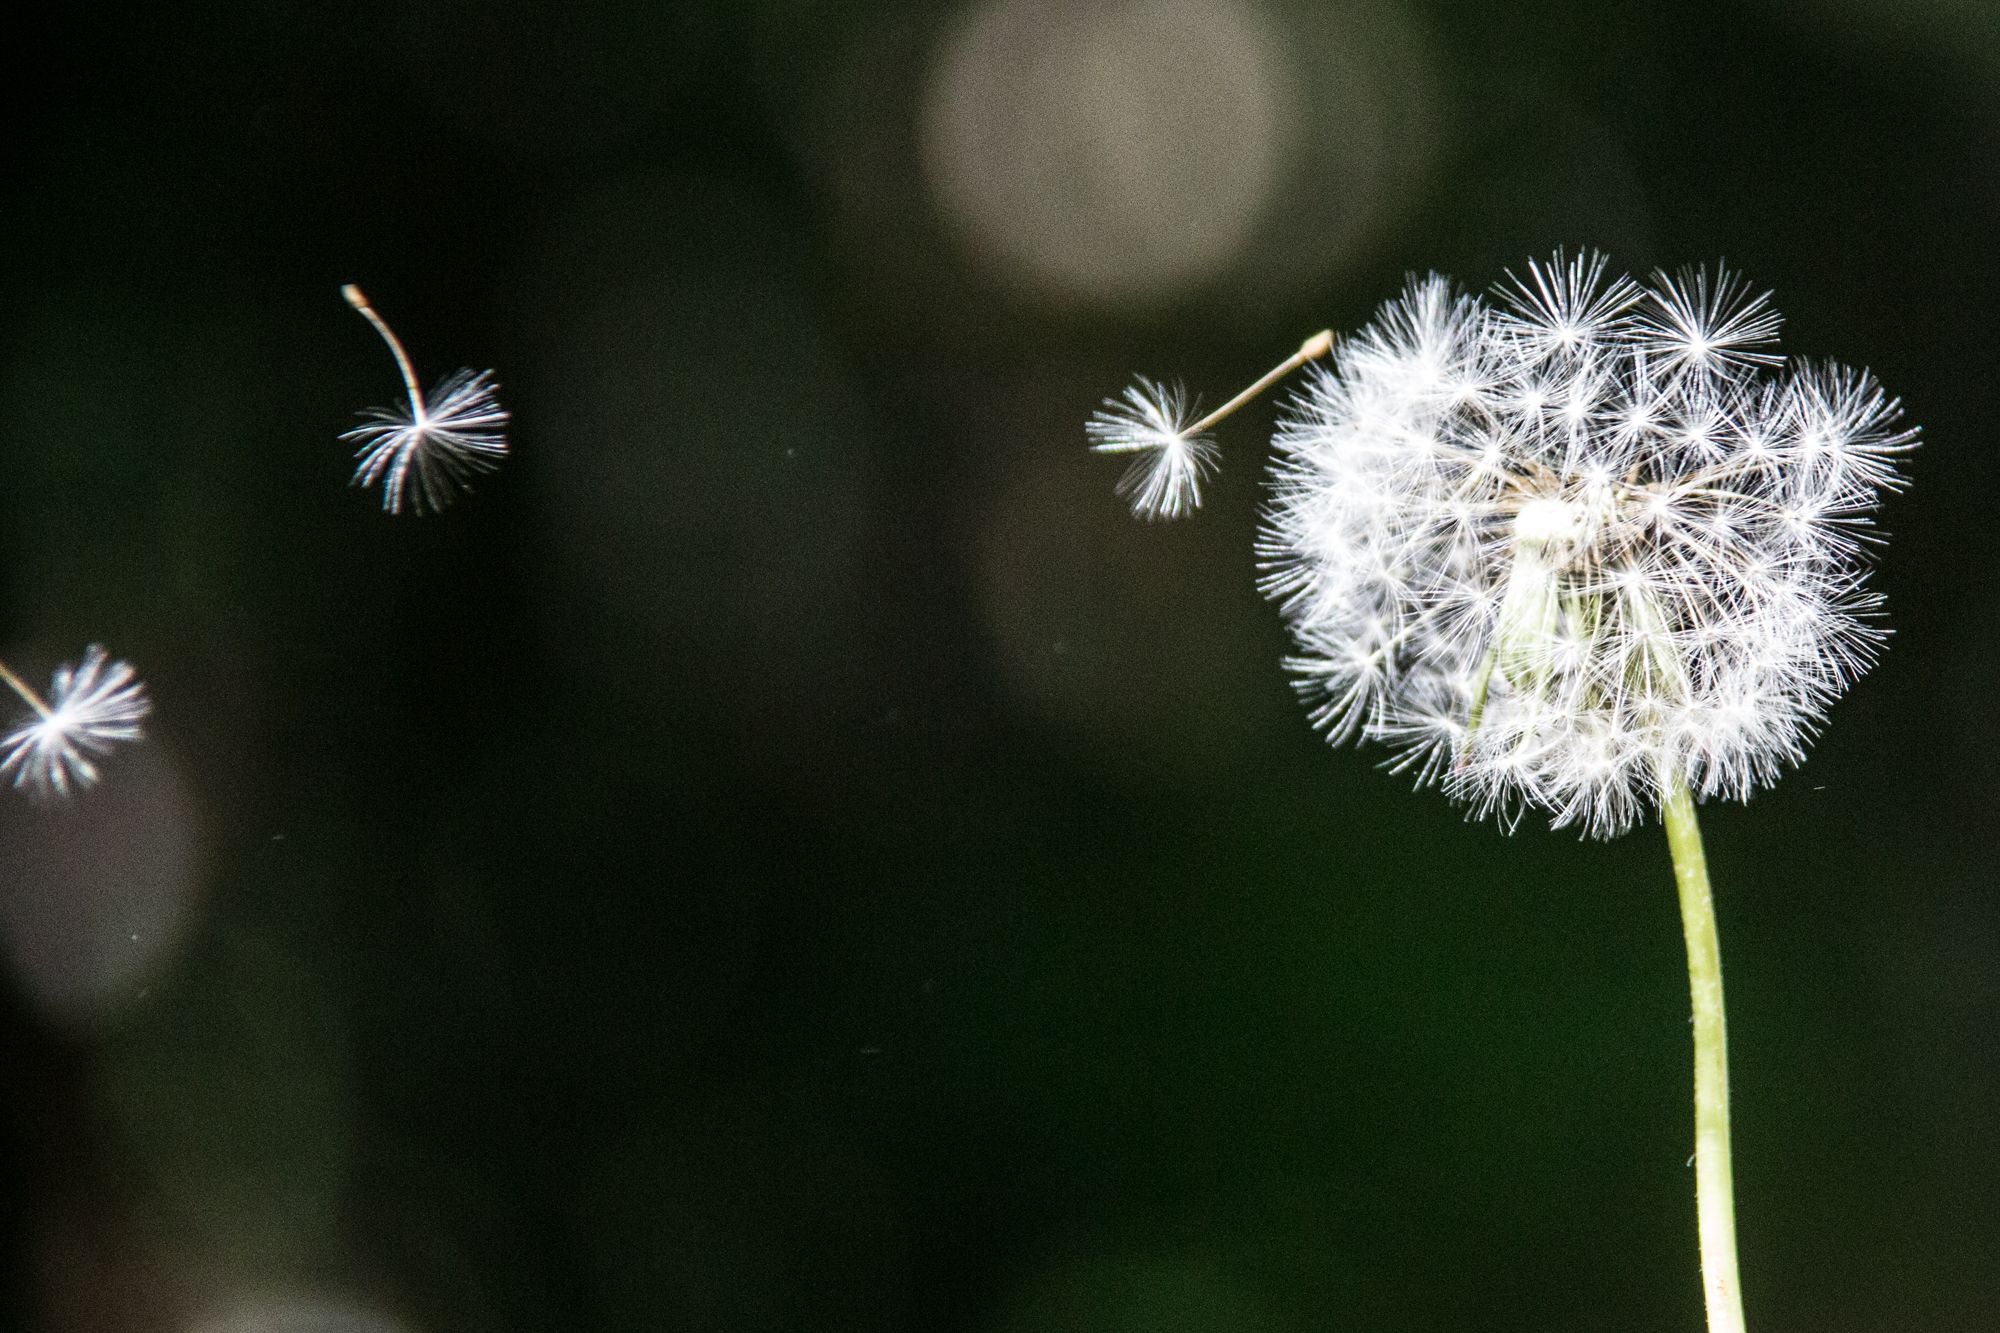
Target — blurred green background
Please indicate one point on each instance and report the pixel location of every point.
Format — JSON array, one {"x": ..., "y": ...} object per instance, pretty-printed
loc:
[{"x": 790, "y": 852}]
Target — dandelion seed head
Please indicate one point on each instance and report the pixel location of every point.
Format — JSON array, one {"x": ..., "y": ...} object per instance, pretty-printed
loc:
[
  {"x": 92, "y": 706},
  {"x": 1152, "y": 420},
  {"x": 1552, "y": 546},
  {"x": 426, "y": 455}
]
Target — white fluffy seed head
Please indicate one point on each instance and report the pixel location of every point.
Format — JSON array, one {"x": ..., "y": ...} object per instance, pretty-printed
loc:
[
  {"x": 426, "y": 455},
  {"x": 92, "y": 706},
  {"x": 1151, "y": 420},
  {"x": 1552, "y": 546}
]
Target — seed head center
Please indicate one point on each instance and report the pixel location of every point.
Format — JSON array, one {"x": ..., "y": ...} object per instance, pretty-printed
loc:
[{"x": 1549, "y": 522}]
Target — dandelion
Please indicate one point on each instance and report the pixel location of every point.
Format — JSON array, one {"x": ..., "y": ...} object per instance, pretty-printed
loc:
[
  {"x": 91, "y": 707},
  {"x": 1590, "y": 548},
  {"x": 426, "y": 455},
  {"x": 1570, "y": 551}
]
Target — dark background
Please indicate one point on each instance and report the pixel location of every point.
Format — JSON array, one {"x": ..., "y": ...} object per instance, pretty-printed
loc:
[{"x": 790, "y": 851}]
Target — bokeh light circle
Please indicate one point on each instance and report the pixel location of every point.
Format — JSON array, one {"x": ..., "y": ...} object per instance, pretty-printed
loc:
[
  {"x": 289, "y": 1313},
  {"x": 1107, "y": 153},
  {"x": 101, "y": 888}
]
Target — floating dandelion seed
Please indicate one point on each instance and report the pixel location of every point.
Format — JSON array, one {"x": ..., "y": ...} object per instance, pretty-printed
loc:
[
  {"x": 1175, "y": 456},
  {"x": 1591, "y": 548},
  {"x": 426, "y": 455},
  {"x": 91, "y": 707},
  {"x": 1151, "y": 420}
]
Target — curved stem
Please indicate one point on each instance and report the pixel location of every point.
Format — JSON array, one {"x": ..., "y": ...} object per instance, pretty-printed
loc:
[
  {"x": 1714, "y": 1188},
  {"x": 354, "y": 298}
]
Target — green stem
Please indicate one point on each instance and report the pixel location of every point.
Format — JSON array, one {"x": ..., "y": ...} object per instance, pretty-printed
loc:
[{"x": 1714, "y": 1191}]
